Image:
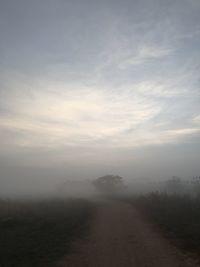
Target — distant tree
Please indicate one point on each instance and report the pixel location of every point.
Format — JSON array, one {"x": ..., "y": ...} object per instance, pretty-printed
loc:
[
  {"x": 109, "y": 184},
  {"x": 196, "y": 185},
  {"x": 175, "y": 185}
]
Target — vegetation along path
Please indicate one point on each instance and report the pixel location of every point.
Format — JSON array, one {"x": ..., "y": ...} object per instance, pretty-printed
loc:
[{"x": 120, "y": 237}]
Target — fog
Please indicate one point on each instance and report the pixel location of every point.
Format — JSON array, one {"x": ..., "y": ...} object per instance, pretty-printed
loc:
[
  {"x": 90, "y": 88},
  {"x": 32, "y": 175}
]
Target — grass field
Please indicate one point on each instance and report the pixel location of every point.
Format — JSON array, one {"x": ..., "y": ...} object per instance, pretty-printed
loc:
[
  {"x": 178, "y": 216},
  {"x": 37, "y": 233}
]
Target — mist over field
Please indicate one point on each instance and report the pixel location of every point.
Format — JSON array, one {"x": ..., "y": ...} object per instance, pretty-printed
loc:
[{"x": 29, "y": 175}]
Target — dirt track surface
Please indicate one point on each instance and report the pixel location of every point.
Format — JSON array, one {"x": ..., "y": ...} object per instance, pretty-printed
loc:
[{"x": 120, "y": 237}]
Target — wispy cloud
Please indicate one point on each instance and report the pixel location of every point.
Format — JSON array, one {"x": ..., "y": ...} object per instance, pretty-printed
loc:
[
  {"x": 196, "y": 120},
  {"x": 76, "y": 115},
  {"x": 144, "y": 54},
  {"x": 60, "y": 114}
]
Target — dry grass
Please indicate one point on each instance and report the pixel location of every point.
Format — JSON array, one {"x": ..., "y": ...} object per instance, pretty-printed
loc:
[
  {"x": 37, "y": 233},
  {"x": 178, "y": 216}
]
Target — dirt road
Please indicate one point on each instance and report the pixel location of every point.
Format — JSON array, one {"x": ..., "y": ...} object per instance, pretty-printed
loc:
[{"x": 120, "y": 237}]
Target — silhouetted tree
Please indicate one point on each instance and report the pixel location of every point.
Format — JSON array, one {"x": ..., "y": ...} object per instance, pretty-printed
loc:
[{"x": 109, "y": 184}]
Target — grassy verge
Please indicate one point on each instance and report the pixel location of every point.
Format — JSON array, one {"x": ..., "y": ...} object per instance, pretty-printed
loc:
[
  {"x": 37, "y": 233},
  {"x": 178, "y": 216}
]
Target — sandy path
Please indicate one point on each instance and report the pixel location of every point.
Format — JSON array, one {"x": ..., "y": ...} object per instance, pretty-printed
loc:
[{"x": 121, "y": 238}]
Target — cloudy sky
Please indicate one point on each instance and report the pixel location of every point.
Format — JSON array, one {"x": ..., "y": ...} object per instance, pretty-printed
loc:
[{"x": 89, "y": 87}]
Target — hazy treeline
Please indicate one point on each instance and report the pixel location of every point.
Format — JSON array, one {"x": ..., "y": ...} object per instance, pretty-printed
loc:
[
  {"x": 86, "y": 188},
  {"x": 174, "y": 185}
]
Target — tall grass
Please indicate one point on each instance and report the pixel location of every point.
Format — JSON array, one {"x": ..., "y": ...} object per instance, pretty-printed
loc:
[
  {"x": 37, "y": 233},
  {"x": 178, "y": 215}
]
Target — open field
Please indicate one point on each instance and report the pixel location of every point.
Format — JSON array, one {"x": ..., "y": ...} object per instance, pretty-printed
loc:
[{"x": 37, "y": 233}]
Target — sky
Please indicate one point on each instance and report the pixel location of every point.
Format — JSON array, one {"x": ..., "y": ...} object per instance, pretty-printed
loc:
[{"x": 92, "y": 87}]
